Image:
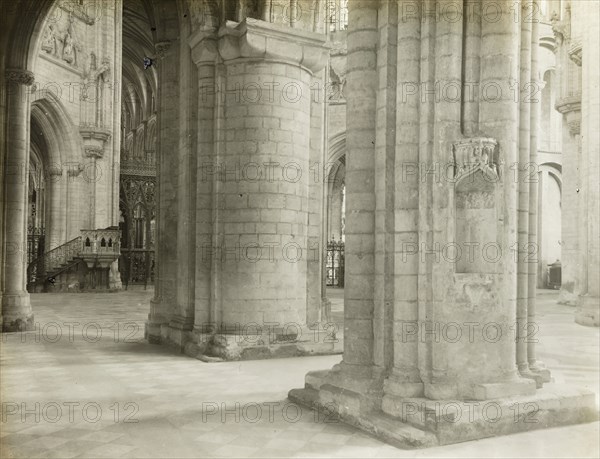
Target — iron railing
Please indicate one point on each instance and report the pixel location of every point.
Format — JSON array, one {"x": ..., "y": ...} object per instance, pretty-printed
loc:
[
  {"x": 334, "y": 264},
  {"x": 35, "y": 243},
  {"x": 53, "y": 260}
]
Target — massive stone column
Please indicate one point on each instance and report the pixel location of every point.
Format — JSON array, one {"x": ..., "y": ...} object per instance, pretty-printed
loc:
[
  {"x": 16, "y": 308},
  {"x": 434, "y": 219},
  {"x": 256, "y": 227}
]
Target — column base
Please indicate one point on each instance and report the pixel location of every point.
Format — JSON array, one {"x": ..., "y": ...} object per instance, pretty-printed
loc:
[
  {"x": 420, "y": 422},
  {"x": 16, "y": 312},
  {"x": 177, "y": 332},
  {"x": 156, "y": 323},
  {"x": 540, "y": 372},
  {"x": 480, "y": 391},
  {"x": 588, "y": 311},
  {"x": 269, "y": 345},
  {"x": 152, "y": 332}
]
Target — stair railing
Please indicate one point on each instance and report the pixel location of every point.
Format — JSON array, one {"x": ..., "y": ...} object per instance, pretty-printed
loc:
[{"x": 53, "y": 260}]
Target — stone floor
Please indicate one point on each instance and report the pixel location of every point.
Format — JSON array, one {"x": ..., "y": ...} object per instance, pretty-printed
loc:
[{"x": 85, "y": 384}]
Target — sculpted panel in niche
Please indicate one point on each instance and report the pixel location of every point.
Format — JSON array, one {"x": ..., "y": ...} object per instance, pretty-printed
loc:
[
  {"x": 476, "y": 172},
  {"x": 49, "y": 40},
  {"x": 62, "y": 43}
]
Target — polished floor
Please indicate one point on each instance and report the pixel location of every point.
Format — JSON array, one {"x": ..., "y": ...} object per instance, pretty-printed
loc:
[{"x": 85, "y": 384}]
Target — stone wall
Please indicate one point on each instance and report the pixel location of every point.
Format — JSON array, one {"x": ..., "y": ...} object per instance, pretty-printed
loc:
[{"x": 78, "y": 74}]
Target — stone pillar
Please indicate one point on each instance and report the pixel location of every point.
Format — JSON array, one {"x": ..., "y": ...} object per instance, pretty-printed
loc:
[
  {"x": 450, "y": 289},
  {"x": 569, "y": 105},
  {"x": 163, "y": 304},
  {"x": 499, "y": 118},
  {"x": 536, "y": 367},
  {"x": 405, "y": 379},
  {"x": 522, "y": 170},
  {"x": 204, "y": 53},
  {"x": 186, "y": 196},
  {"x": 584, "y": 54},
  {"x": 16, "y": 307},
  {"x": 360, "y": 193},
  {"x": 316, "y": 246},
  {"x": 253, "y": 186}
]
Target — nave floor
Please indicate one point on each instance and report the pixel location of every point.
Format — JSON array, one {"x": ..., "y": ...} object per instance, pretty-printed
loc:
[{"x": 99, "y": 390}]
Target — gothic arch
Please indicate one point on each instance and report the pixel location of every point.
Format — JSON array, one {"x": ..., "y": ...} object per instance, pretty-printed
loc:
[
  {"x": 19, "y": 45},
  {"x": 58, "y": 127},
  {"x": 63, "y": 142}
]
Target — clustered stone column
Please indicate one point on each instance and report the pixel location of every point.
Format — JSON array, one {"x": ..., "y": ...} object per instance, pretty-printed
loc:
[
  {"x": 16, "y": 307},
  {"x": 439, "y": 303}
]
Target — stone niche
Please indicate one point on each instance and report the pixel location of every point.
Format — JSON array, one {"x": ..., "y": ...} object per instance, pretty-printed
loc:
[{"x": 476, "y": 231}]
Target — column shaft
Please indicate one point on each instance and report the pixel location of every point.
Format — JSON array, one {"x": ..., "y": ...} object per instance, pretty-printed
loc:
[
  {"x": 16, "y": 307},
  {"x": 523, "y": 179},
  {"x": 360, "y": 192}
]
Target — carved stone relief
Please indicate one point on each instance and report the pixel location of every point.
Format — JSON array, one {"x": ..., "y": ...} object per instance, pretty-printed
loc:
[{"x": 61, "y": 41}]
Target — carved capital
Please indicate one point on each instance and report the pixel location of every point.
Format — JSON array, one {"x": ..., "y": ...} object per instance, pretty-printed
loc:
[
  {"x": 473, "y": 154},
  {"x": 204, "y": 47},
  {"x": 94, "y": 140},
  {"x": 91, "y": 132},
  {"x": 254, "y": 38},
  {"x": 570, "y": 107},
  {"x": 20, "y": 76},
  {"x": 569, "y": 104}
]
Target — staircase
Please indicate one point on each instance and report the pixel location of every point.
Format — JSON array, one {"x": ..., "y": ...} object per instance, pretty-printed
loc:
[
  {"x": 52, "y": 263},
  {"x": 94, "y": 250}
]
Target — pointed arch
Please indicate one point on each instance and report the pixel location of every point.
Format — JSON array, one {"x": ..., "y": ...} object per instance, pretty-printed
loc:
[{"x": 58, "y": 128}]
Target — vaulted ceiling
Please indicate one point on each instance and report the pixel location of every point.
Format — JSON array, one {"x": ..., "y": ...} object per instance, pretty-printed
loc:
[{"x": 139, "y": 84}]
